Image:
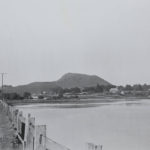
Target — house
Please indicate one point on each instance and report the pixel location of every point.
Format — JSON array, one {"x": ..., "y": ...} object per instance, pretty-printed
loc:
[
  {"x": 35, "y": 96},
  {"x": 114, "y": 90}
]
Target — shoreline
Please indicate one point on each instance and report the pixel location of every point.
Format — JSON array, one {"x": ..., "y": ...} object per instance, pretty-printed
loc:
[{"x": 76, "y": 103}]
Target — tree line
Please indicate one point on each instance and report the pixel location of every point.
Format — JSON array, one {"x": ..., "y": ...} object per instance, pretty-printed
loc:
[
  {"x": 135, "y": 87},
  {"x": 75, "y": 90},
  {"x": 92, "y": 89},
  {"x": 16, "y": 96}
]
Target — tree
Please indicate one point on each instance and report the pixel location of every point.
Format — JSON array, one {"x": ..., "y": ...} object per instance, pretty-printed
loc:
[
  {"x": 108, "y": 87},
  {"x": 89, "y": 89},
  {"x": 145, "y": 87},
  {"x": 41, "y": 97},
  {"x": 121, "y": 88},
  {"x": 128, "y": 87},
  {"x": 27, "y": 95},
  {"x": 137, "y": 87},
  {"x": 12, "y": 96},
  {"x": 99, "y": 88},
  {"x": 75, "y": 90},
  {"x": 57, "y": 90}
]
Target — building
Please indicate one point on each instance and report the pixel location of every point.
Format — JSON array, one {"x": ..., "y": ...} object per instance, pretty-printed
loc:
[
  {"x": 35, "y": 96},
  {"x": 114, "y": 90}
]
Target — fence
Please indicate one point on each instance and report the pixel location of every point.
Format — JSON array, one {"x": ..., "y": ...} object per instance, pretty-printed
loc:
[
  {"x": 92, "y": 146},
  {"x": 32, "y": 136}
]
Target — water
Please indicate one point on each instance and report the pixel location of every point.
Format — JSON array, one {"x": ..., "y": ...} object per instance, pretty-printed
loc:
[{"x": 117, "y": 126}]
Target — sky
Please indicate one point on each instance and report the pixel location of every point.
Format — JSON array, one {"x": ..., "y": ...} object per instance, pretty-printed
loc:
[{"x": 40, "y": 40}]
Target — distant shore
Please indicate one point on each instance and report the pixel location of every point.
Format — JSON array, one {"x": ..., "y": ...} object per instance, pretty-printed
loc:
[{"x": 77, "y": 101}]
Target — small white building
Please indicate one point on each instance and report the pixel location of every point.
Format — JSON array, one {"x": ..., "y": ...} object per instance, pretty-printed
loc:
[
  {"x": 35, "y": 96},
  {"x": 114, "y": 90}
]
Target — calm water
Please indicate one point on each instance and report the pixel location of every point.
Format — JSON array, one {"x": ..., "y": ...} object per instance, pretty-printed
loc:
[{"x": 118, "y": 126}]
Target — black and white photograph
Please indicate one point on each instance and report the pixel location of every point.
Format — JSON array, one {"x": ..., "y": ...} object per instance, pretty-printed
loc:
[{"x": 74, "y": 75}]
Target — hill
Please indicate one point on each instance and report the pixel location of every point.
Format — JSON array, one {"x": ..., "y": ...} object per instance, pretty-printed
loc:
[
  {"x": 71, "y": 80},
  {"x": 68, "y": 80}
]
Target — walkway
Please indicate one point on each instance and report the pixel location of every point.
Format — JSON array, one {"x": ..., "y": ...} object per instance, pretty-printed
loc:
[{"x": 6, "y": 132}]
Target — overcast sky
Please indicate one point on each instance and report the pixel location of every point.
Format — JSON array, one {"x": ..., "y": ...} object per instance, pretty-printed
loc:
[{"x": 40, "y": 40}]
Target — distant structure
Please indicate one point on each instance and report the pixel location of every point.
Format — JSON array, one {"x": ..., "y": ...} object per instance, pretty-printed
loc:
[
  {"x": 92, "y": 146},
  {"x": 114, "y": 90}
]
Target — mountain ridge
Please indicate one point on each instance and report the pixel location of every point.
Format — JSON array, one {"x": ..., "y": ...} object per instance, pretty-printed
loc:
[{"x": 68, "y": 80}]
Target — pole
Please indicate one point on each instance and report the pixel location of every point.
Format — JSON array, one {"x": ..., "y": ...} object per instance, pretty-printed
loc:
[
  {"x": 2, "y": 74},
  {"x": 2, "y": 86}
]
